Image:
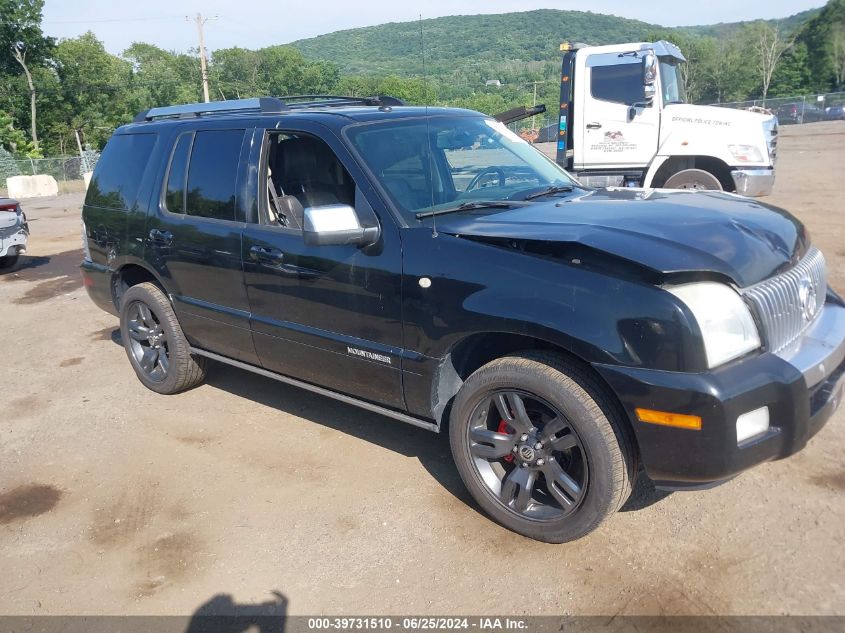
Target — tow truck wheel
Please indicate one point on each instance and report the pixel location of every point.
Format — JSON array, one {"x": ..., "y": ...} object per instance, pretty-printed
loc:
[
  {"x": 693, "y": 179},
  {"x": 541, "y": 446},
  {"x": 9, "y": 262}
]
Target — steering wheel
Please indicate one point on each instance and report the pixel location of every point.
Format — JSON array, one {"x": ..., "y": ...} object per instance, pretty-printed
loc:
[{"x": 489, "y": 170}]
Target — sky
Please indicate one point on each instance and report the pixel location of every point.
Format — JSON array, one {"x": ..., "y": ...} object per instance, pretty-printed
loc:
[{"x": 257, "y": 23}]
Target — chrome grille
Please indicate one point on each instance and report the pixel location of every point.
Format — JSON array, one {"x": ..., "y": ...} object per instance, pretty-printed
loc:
[{"x": 788, "y": 303}]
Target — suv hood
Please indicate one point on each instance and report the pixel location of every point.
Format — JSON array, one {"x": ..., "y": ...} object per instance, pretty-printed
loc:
[{"x": 666, "y": 231}]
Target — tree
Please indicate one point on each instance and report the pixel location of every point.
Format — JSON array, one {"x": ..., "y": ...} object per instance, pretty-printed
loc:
[
  {"x": 837, "y": 55},
  {"x": 21, "y": 38},
  {"x": 767, "y": 44}
]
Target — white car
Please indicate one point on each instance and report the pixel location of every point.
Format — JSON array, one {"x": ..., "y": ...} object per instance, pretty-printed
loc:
[{"x": 14, "y": 231}]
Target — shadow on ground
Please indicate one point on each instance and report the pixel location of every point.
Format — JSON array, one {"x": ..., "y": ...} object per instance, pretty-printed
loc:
[
  {"x": 222, "y": 614},
  {"x": 432, "y": 450}
]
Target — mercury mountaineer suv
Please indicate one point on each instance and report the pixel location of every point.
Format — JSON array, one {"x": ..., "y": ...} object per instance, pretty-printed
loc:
[{"x": 428, "y": 265}]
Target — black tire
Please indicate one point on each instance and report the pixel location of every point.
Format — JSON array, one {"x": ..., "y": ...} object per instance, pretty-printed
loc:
[
  {"x": 8, "y": 263},
  {"x": 154, "y": 342},
  {"x": 693, "y": 179},
  {"x": 601, "y": 446}
]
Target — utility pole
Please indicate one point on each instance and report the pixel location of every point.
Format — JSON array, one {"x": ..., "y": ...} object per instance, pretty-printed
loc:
[
  {"x": 534, "y": 118},
  {"x": 200, "y": 22}
]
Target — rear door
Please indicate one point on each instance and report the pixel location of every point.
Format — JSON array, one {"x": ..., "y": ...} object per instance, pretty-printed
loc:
[
  {"x": 608, "y": 137},
  {"x": 329, "y": 315},
  {"x": 194, "y": 239}
]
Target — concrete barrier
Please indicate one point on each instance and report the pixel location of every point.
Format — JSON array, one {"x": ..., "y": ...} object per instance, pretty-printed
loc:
[{"x": 21, "y": 187}]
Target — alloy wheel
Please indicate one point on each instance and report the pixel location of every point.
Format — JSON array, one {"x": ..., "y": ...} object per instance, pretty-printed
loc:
[
  {"x": 528, "y": 455},
  {"x": 148, "y": 342}
]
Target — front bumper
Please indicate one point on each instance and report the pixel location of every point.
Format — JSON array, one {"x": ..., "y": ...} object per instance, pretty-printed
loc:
[
  {"x": 753, "y": 182},
  {"x": 802, "y": 390}
]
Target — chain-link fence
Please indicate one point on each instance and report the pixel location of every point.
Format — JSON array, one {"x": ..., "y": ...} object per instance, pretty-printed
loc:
[
  {"x": 798, "y": 109},
  {"x": 62, "y": 168},
  {"x": 67, "y": 170}
]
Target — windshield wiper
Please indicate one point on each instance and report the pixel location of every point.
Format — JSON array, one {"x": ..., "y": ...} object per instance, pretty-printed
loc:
[
  {"x": 549, "y": 191},
  {"x": 468, "y": 206}
]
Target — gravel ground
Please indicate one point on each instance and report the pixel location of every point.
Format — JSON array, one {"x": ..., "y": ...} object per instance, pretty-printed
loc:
[{"x": 116, "y": 500}]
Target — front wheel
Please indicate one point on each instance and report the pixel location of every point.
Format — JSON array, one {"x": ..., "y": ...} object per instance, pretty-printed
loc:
[
  {"x": 693, "y": 179},
  {"x": 541, "y": 447}
]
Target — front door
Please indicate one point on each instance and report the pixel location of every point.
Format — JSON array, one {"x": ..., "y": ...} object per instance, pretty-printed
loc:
[
  {"x": 329, "y": 315},
  {"x": 608, "y": 137}
]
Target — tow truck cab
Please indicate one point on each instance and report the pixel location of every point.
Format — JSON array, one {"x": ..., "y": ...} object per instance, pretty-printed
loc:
[{"x": 624, "y": 121}]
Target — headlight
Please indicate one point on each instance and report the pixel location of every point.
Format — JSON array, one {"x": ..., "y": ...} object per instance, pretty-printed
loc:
[
  {"x": 746, "y": 153},
  {"x": 723, "y": 318}
]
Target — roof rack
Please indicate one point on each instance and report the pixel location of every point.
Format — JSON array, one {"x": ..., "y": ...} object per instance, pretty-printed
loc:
[
  {"x": 263, "y": 105},
  {"x": 303, "y": 101}
]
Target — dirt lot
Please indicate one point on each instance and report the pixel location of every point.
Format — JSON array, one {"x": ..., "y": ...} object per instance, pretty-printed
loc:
[{"x": 116, "y": 500}]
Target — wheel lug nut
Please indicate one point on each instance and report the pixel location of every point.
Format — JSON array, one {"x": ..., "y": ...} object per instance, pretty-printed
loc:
[
  {"x": 541, "y": 461},
  {"x": 514, "y": 449},
  {"x": 538, "y": 445},
  {"x": 525, "y": 464},
  {"x": 523, "y": 437}
]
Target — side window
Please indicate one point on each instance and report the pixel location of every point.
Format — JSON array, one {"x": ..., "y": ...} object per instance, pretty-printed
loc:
[
  {"x": 174, "y": 194},
  {"x": 119, "y": 171},
  {"x": 620, "y": 83},
  {"x": 213, "y": 174},
  {"x": 302, "y": 171}
]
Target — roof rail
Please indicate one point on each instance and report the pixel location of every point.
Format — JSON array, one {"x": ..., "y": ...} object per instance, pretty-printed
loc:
[
  {"x": 334, "y": 100},
  {"x": 260, "y": 105}
]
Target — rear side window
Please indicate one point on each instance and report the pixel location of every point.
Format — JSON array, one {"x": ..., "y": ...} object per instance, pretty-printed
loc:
[
  {"x": 119, "y": 171},
  {"x": 213, "y": 174},
  {"x": 174, "y": 196},
  {"x": 621, "y": 83}
]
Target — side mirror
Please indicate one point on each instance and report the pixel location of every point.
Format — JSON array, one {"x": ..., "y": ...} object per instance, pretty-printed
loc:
[
  {"x": 649, "y": 71},
  {"x": 336, "y": 224}
]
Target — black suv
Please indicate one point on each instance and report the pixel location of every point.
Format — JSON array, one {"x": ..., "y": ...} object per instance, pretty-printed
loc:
[{"x": 429, "y": 265}]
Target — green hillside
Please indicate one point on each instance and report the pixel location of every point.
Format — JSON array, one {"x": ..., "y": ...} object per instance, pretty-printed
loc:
[
  {"x": 489, "y": 40},
  {"x": 524, "y": 36},
  {"x": 788, "y": 24}
]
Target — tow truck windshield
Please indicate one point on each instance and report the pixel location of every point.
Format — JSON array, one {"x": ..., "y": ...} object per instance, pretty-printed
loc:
[{"x": 443, "y": 162}]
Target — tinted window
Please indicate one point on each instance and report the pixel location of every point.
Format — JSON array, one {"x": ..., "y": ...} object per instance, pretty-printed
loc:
[
  {"x": 119, "y": 171},
  {"x": 622, "y": 83},
  {"x": 213, "y": 173},
  {"x": 174, "y": 197}
]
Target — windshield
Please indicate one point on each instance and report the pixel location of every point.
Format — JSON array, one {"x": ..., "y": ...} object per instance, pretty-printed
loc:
[
  {"x": 670, "y": 78},
  {"x": 443, "y": 162}
]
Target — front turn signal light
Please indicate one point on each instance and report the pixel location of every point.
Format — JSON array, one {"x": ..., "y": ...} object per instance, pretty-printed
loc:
[{"x": 664, "y": 418}]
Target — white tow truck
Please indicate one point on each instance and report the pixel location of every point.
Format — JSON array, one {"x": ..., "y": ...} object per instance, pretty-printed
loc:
[{"x": 624, "y": 121}]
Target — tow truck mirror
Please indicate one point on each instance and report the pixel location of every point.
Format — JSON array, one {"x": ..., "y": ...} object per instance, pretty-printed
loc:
[
  {"x": 336, "y": 224},
  {"x": 649, "y": 71}
]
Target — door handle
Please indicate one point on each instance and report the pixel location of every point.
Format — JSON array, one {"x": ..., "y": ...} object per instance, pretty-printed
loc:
[
  {"x": 593, "y": 126},
  {"x": 266, "y": 254},
  {"x": 164, "y": 238}
]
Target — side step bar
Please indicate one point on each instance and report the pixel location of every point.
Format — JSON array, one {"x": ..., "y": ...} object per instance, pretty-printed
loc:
[{"x": 369, "y": 406}]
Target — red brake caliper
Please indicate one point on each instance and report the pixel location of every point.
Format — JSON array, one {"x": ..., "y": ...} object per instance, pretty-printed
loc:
[{"x": 504, "y": 428}]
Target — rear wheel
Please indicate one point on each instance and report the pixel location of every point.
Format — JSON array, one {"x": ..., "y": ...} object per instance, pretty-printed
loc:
[
  {"x": 154, "y": 342},
  {"x": 541, "y": 447},
  {"x": 693, "y": 179},
  {"x": 9, "y": 262}
]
